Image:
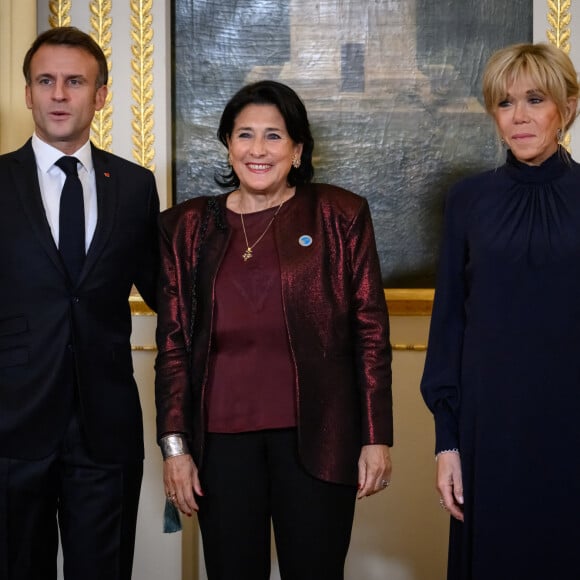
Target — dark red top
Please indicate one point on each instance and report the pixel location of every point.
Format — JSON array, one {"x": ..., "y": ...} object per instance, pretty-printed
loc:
[{"x": 251, "y": 383}]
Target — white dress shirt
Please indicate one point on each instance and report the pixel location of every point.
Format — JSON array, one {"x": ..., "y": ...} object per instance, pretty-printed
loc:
[{"x": 51, "y": 179}]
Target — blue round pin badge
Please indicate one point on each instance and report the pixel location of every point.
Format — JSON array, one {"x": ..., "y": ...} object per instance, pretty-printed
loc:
[{"x": 305, "y": 241}]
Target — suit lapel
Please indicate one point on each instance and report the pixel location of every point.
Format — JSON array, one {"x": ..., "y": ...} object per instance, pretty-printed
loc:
[
  {"x": 107, "y": 195},
  {"x": 25, "y": 176}
]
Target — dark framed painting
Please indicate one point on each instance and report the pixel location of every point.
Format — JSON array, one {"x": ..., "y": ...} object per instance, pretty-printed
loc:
[{"x": 392, "y": 89}]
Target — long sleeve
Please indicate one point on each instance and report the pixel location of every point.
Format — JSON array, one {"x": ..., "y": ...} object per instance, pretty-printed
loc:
[
  {"x": 172, "y": 384},
  {"x": 371, "y": 332},
  {"x": 441, "y": 383}
]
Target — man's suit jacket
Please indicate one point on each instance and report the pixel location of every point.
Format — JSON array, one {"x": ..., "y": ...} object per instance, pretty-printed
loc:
[
  {"x": 335, "y": 315},
  {"x": 47, "y": 323}
]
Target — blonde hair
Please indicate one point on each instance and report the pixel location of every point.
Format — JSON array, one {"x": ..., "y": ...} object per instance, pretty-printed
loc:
[{"x": 548, "y": 67}]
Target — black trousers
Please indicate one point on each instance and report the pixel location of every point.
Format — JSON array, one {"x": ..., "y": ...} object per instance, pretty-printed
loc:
[
  {"x": 94, "y": 506},
  {"x": 252, "y": 479}
]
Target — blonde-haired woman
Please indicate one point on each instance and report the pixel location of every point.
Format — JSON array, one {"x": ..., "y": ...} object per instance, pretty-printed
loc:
[{"x": 502, "y": 375}]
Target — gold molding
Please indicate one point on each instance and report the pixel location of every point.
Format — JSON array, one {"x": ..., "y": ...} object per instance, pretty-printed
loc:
[
  {"x": 100, "y": 22},
  {"x": 59, "y": 13},
  {"x": 409, "y": 301},
  {"x": 138, "y": 306},
  {"x": 401, "y": 302},
  {"x": 142, "y": 82},
  {"x": 406, "y": 347},
  {"x": 413, "y": 347}
]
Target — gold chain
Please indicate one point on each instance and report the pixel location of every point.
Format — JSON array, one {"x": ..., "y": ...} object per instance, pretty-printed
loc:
[{"x": 248, "y": 253}]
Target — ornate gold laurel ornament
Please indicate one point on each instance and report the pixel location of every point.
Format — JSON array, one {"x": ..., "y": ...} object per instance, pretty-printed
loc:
[
  {"x": 142, "y": 82},
  {"x": 59, "y": 13},
  {"x": 100, "y": 22}
]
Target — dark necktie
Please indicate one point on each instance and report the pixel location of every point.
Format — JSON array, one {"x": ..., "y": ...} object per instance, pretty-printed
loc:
[{"x": 72, "y": 219}]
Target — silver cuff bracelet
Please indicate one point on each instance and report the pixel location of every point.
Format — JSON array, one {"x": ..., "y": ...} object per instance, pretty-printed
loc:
[{"x": 173, "y": 445}]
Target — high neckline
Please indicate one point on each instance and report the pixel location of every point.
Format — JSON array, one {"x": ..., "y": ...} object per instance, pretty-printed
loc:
[{"x": 553, "y": 168}]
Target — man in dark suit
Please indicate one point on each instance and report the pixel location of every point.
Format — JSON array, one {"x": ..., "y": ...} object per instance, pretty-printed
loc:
[{"x": 71, "y": 437}]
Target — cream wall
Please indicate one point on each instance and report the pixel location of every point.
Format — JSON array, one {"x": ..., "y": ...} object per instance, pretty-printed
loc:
[
  {"x": 400, "y": 534},
  {"x": 17, "y": 31}
]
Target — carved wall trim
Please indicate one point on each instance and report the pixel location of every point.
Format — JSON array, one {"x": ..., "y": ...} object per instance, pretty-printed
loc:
[
  {"x": 59, "y": 13},
  {"x": 142, "y": 82},
  {"x": 101, "y": 21}
]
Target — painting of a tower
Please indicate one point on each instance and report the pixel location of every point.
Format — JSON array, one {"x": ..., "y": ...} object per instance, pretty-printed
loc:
[{"x": 392, "y": 88}]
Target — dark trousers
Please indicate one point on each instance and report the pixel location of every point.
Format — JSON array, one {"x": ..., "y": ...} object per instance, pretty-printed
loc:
[
  {"x": 250, "y": 479},
  {"x": 94, "y": 504}
]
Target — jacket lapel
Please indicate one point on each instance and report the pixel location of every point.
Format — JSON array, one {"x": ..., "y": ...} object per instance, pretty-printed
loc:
[
  {"x": 25, "y": 176},
  {"x": 107, "y": 196}
]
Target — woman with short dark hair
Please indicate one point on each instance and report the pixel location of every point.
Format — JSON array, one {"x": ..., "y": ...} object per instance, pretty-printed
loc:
[{"x": 273, "y": 376}]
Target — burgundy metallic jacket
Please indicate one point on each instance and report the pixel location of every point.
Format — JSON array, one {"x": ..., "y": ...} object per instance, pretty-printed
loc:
[{"x": 335, "y": 314}]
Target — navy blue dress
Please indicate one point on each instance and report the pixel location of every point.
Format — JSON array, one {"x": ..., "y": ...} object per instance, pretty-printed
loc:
[{"x": 502, "y": 375}]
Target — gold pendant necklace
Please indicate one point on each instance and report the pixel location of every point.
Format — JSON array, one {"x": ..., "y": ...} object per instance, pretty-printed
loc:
[{"x": 249, "y": 248}]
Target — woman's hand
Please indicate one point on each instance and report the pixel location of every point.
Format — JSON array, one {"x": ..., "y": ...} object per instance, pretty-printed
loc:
[
  {"x": 450, "y": 483},
  {"x": 181, "y": 479},
  {"x": 374, "y": 469}
]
